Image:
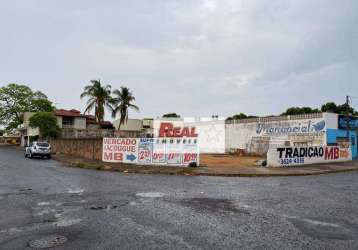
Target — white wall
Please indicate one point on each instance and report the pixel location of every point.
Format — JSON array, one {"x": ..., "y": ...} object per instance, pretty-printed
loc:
[
  {"x": 130, "y": 125},
  {"x": 80, "y": 123},
  {"x": 211, "y": 136},
  {"x": 59, "y": 121},
  {"x": 244, "y": 135}
]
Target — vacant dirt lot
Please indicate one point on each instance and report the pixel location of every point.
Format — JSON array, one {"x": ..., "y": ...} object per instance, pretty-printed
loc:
[{"x": 227, "y": 161}]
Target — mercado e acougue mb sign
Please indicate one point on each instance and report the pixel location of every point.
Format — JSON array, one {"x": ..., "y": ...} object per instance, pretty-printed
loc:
[{"x": 162, "y": 151}]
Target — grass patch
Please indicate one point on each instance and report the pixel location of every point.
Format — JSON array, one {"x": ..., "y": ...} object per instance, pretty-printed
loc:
[{"x": 129, "y": 168}]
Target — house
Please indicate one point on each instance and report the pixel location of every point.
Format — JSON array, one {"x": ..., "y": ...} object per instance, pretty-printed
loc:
[
  {"x": 134, "y": 128},
  {"x": 73, "y": 124}
]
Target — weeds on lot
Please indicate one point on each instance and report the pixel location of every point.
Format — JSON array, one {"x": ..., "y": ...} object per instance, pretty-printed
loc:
[{"x": 127, "y": 168}]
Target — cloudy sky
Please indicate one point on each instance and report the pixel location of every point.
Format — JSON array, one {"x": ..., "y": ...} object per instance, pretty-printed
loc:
[{"x": 193, "y": 57}]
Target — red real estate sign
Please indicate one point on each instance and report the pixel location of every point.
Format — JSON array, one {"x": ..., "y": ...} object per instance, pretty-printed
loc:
[{"x": 167, "y": 129}]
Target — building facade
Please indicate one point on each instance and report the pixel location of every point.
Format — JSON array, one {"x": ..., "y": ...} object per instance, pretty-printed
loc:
[
  {"x": 73, "y": 124},
  {"x": 257, "y": 135}
]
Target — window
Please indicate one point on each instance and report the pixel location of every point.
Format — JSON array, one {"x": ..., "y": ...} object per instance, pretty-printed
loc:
[{"x": 67, "y": 121}]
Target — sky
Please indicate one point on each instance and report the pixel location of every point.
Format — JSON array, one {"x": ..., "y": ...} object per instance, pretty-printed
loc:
[{"x": 193, "y": 57}]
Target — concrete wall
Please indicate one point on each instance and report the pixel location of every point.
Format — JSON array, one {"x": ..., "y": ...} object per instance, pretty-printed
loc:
[
  {"x": 86, "y": 133},
  {"x": 87, "y": 148},
  {"x": 130, "y": 125},
  {"x": 258, "y": 134},
  {"x": 211, "y": 136},
  {"x": 59, "y": 121},
  {"x": 79, "y": 123}
]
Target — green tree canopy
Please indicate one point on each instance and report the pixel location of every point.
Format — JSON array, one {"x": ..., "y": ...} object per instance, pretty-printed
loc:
[
  {"x": 2, "y": 132},
  {"x": 240, "y": 116},
  {"x": 329, "y": 107},
  {"x": 171, "y": 115},
  {"x": 99, "y": 97},
  {"x": 300, "y": 111},
  {"x": 47, "y": 123},
  {"x": 16, "y": 99},
  {"x": 122, "y": 101},
  {"x": 338, "y": 109}
]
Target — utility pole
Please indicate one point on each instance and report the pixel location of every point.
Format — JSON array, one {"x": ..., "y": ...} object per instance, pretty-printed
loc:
[{"x": 347, "y": 117}]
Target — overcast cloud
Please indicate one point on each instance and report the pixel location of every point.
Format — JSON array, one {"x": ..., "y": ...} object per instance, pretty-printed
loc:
[{"x": 196, "y": 58}]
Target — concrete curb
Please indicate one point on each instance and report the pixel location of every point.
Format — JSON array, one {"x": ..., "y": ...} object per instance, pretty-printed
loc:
[
  {"x": 196, "y": 171},
  {"x": 276, "y": 174},
  {"x": 193, "y": 172}
]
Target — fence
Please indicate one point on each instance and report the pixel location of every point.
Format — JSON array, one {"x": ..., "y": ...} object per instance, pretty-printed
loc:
[{"x": 87, "y": 148}]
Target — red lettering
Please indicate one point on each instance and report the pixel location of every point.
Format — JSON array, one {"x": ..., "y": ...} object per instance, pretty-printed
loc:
[
  {"x": 192, "y": 132},
  {"x": 336, "y": 153},
  {"x": 328, "y": 153},
  {"x": 118, "y": 156},
  {"x": 176, "y": 132},
  {"x": 189, "y": 157},
  {"x": 167, "y": 129},
  {"x": 107, "y": 156},
  {"x": 186, "y": 132},
  {"x": 331, "y": 153}
]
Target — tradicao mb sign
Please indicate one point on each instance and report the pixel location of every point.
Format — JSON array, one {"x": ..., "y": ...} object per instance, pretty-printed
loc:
[{"x": 293, "y": 156}]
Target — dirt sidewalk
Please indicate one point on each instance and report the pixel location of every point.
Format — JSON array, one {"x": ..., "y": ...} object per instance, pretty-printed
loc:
[{"x": 211, "y": 169}]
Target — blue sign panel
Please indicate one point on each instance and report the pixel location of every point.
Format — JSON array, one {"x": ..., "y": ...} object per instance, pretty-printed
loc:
[{"x": 345, "y": 122}]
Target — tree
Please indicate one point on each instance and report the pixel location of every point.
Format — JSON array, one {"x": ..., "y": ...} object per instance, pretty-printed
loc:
[
  {"x": 16, "y": 99},
  {"x": 338, "y": 109},
  {"x": 240, "y": 116},
  {"x": 42, "y": 105},
  {"x": 300, "y": 111},
  {"x": 2, "y": 132},
  {"x": 345, "y": 109},
  {"x": 99, "y": 97},
  {"x": 329, "y": 107},
  {"x": 122, "y": 101},
  {"x": 47, "y": 124},
  {"x": 171, "y": 115}
]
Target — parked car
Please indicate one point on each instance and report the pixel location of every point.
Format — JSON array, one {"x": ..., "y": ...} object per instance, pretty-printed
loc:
[{"x": 42, "y": 149}]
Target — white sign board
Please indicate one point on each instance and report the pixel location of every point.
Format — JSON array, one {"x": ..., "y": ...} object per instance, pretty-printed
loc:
[
  {"x": 295, "y": 156},
  {"x": 120, "y": 150},
  {"x": 148, "y": 151}
]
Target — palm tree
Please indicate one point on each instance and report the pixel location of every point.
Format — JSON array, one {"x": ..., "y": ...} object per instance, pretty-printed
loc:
[
  {"x": 121, "y": 102},
  {"x": 99, "y": 97}
]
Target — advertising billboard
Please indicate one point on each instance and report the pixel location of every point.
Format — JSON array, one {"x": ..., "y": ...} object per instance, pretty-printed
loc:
[
  {"x": 149, "y": 151},
  {"x": 295, "y": 156}
]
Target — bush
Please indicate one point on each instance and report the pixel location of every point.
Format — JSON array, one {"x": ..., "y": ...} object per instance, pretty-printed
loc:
[
  {"x": 47, "y": 123},
  {"x": 193, "y": 165}
]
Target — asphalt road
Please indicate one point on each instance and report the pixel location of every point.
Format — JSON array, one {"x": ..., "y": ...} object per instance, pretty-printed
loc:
[{"x": 104, "y": 210}]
